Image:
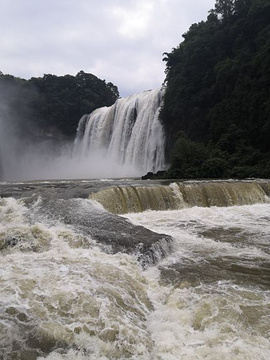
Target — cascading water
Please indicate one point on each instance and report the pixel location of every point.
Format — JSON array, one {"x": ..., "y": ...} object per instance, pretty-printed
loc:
[
  {"x": 124, "y": 140},
  {"x": 128, "y": 133},
  {"x": 179, "y": 195},
  {"x": 80, "y": 283}
]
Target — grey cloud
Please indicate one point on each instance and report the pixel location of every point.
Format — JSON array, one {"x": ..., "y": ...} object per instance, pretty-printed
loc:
[{"x": 118, "y": 40}]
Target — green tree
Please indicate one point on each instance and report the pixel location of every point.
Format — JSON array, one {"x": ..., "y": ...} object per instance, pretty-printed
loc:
[
  {"x": 225, "y": 8},
  {"x": 218, "y": 89},
  {"x": 53, "y": 103},
  {"x": 63, "y": 100}
]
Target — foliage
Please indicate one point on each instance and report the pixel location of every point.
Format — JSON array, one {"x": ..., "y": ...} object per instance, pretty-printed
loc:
[
  {"x": 187, "y": 158},
  {"x": 218, "y": 91},
  {"x": 54, "y": 103}
]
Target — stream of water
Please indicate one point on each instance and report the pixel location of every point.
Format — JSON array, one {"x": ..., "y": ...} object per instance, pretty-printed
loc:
[{"x": 73, "y": 286}]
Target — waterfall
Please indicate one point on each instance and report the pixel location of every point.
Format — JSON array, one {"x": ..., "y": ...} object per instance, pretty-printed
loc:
[
  {"x": 178, "y": 195},
  {"x": 127, "y": 133}
]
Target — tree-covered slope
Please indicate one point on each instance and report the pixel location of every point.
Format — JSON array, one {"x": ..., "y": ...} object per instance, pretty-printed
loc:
[
  {"x": 52, "y": 103},
  {"x": 216, "y": 111}
]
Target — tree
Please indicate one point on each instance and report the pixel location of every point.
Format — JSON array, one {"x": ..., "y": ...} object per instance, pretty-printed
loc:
[
  {"x": 218, "y": 91},
  {"x": 54, "y": 103},
  {"x": 64, "y": 99},
  {"x": 224, "y": 8}
]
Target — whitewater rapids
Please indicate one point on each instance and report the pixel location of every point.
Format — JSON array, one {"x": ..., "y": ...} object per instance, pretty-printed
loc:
[{"x": 66, "y": 296}]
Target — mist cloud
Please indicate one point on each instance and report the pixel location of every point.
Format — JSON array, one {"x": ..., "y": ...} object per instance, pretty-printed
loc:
[{"x": 26, "y": 153}]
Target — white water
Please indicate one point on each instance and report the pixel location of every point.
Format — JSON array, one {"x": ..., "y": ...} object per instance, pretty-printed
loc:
[
  {"x": 63, "y": 298},
  {"x": 124, "y": 140},
  {"x": 214, "y": 302},
  {"x": 128, "y": 133}
]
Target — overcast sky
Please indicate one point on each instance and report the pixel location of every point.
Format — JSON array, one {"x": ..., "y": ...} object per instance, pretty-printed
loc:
[{"x": 121, "y": 41}]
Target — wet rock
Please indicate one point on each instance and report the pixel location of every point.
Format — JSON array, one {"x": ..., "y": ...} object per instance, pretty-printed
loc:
[{"x": 114, "y": 232}]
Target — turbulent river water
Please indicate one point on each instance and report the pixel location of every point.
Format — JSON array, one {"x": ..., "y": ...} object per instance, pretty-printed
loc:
[{"x": 186, "y": 279}]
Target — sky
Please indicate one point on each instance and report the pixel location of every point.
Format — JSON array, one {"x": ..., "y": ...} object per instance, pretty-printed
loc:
[{"x": 121, "y": 41}]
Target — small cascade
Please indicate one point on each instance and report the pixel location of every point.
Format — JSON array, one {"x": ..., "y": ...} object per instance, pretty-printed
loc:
[
  {"x": 121, "y": 200},
  {"x": 128, "y": 133}
]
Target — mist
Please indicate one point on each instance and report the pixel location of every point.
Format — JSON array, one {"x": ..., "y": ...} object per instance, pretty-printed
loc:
[
  {"x": 10, "y": 141},
  {"x": 41, "y": 163},
  {"x": 27, "y": 159},
  {"x": 29, "y": 153},
  {"x": 123, "y": 140},
  {"x": 46, "y": 161}
]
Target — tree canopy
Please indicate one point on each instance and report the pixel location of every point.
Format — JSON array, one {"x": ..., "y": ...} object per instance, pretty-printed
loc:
[
  {"x": 54, "y": 102},
  {"x": 218, "y": 93}
]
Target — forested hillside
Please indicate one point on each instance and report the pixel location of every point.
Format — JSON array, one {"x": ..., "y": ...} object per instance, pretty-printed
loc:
[
  {"x": 43, "y": 113},
  {"x": 52, "y": 103},
  {"x": 216, "y": 111}
]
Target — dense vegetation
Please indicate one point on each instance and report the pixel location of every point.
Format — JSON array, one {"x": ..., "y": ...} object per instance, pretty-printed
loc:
[
  {"x": 216, "y": 111},
  {"x": 52, "y": 103}
]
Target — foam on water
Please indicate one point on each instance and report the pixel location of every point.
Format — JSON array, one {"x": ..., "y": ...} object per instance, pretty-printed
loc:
[
  {"x": 62, "y": 297},
  {"x": 216, "y": 321},
  {"x": 197, "y": 226},
  {"x": 213, "y": 297},
  {"x": 67, "y": 293}
]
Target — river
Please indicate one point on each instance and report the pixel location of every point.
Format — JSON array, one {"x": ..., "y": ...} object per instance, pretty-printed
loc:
[{"x": 79, "y": 282}]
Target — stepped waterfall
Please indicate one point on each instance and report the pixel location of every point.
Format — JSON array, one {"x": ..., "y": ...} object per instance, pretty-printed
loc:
[
  {"x": 128, "y": 134},
  {"x": 179, "y": 195}
]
